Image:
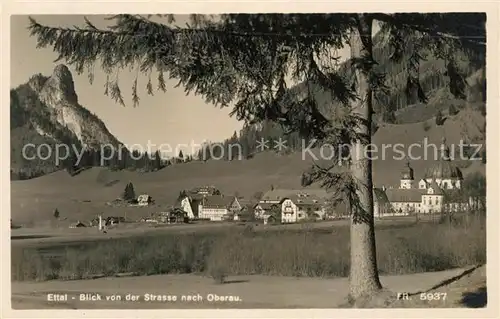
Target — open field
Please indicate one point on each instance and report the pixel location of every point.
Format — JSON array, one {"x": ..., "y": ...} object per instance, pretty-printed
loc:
[
  {"x": 253, "y": 291},
  {"x": 219, "y": 251},
  {"x": 50, "y": 235}
]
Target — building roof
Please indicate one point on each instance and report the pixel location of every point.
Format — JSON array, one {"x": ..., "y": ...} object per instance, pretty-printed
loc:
[
  {"x": 204, "y": 189},
  {"x": 423, "y": 180},
  {"x": 217, "y": 201},
  {"x": 247, "y": 203},
  {"x": 144, "y": 197},
  {"x": 266, "y": 206},
  {"x": 411, "y": 195},
  {"x": 78, "y": 224},
  {"x": 279, "y": 194},
  {"x": 444, "y": 168},
  {"x": 435, "y": 187},
  {"x": 306, "y": 201}
]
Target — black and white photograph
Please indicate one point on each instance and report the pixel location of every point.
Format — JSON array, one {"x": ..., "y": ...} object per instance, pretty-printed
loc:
[{"x": 249, "y": 160}]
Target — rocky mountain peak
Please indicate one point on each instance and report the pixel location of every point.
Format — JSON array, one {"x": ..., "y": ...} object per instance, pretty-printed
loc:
[{"x": 60, "y": 86}]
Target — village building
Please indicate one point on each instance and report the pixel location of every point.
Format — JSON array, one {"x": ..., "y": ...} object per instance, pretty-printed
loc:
[
  {"x": 215, "y": 207},
  {"x": 302, "y": 206},
  {"x": 185, "y": 205},
  {"x": 381, "y": 204},
  {"x": 177, "y": 216},
  {"x": 245, "y": 212},
  {"x": 144, "y": 200},
  {"x": 205, "y": 190},
  {"x": 78, "y": 224},
  {"x": 235, "y": 206},
  {"x": 211, "y": 207},
  {"x": 191, "y": 201},
  {"x": 172, "y": 216},
  {"x": 312, "y": 204},
  {"x": 440, "y": 190},
  {"x": 292, "y": 205},
  {"x": 263, "y": 210}
]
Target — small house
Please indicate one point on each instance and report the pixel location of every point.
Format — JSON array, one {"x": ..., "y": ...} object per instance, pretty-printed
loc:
[
  {"x": 78, "y": 224},
  {"x": 269, "y": 219},
  {"x": 178, "y": 216},
  {"x": 144, "y": 200},
  {"x": 243, "y": 216}
]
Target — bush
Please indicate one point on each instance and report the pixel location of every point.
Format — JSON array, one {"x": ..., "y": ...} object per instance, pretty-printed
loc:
[
  {"x": 439, "y": 118},
  {"x": 452, "y": 110}
]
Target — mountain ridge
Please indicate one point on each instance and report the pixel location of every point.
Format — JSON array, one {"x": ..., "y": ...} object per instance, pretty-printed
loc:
[{"x": 45, "y": 110}]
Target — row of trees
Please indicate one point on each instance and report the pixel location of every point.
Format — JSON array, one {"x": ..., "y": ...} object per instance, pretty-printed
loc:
[
  {"x": 94, "y": 158},
  {"x": 245, "y": 59},
  {"x": 125, "y": 159},
  {"x": 248, "y": 142}
]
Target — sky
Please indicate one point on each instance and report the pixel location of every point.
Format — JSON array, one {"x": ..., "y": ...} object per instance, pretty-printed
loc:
[{"x": 166, "y": 118}]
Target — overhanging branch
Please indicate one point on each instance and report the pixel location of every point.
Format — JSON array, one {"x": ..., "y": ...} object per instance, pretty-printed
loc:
[{"x": 388, "y": 18}]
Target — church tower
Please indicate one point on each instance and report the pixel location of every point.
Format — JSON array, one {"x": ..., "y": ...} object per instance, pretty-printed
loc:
[{"x": 407, "y": 177}]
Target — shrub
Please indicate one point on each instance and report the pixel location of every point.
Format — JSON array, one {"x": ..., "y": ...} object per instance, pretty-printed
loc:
[
  {"x": 452, "y": 110},
  {"x": 439, "y": 118}
]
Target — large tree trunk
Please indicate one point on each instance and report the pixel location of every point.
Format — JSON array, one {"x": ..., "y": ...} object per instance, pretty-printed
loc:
[{"x": 363, "y": 277}]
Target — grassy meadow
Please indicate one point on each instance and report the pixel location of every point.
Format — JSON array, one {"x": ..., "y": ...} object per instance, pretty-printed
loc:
[{"x": 313, "y": 252}]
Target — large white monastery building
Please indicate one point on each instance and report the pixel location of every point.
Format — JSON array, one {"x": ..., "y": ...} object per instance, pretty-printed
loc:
[{"x": 438, "y": 191}]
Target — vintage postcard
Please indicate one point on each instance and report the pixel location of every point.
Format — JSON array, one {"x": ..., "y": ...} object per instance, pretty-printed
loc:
[{"x": 281, "y": 163}]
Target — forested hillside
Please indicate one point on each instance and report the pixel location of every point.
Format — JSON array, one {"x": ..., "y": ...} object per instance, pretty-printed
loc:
[{"x": 398, "y": 107}]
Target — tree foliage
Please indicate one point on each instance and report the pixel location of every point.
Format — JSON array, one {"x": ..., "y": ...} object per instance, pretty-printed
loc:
[
  {"x": 439, "y": 118},
  {"x": 207, "y": 59},
  {"x": 452, "y": 110},
  {"x": 475, "y": 189},
  {"x": 129, "y": 192}
]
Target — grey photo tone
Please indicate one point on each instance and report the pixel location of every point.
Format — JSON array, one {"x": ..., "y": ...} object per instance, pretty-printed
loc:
[{"x": 248, "y": 161}]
